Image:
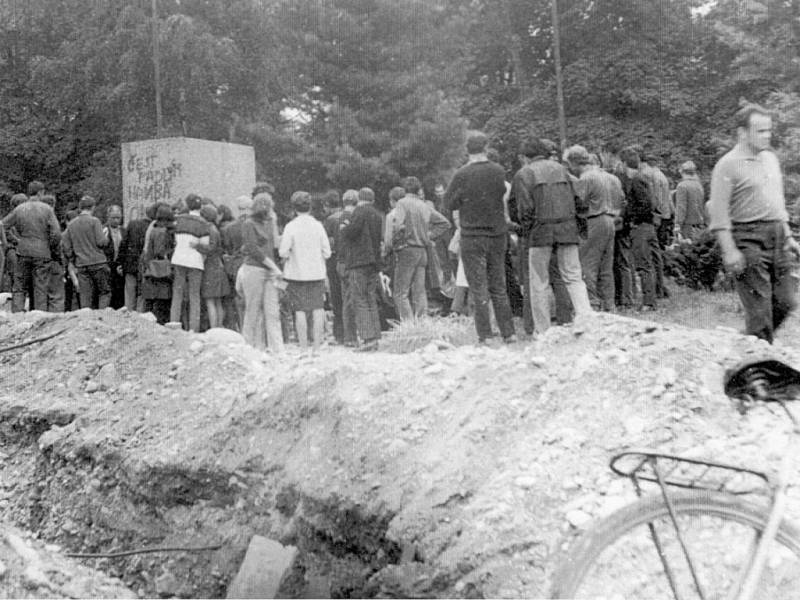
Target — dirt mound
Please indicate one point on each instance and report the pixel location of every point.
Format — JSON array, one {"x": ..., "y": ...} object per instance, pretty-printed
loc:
[{"x": 441, "y": 472}]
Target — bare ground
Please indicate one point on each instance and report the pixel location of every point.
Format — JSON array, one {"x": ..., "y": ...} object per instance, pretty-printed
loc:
[{"x": 458, "y": 472}]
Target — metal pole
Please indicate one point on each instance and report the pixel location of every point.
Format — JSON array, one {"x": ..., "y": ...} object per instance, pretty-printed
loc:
[
  {"x": 562, "y": 120},
  {"x": 157, "y": 71}
]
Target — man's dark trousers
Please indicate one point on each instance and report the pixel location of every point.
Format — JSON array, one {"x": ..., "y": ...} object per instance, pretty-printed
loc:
[
  {"x": 644, "y": 245},
  {"x": 363, "y": 284},
  {"x": 335, "y": 298},
  {"x": 30, "y": 272},
  {"x": 597, "y": 261},
  {"x": 623, "y": 269},
  {"x": 768, "y": 284},
  {"x": 484, "y": 266},
  {"x": 94, "y": 280}
]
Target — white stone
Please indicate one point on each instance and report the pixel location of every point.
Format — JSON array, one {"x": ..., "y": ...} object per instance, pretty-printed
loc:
[
  {"x": 578, "y": 518},
  {"x": 221, "y": 335},
  {"x": 148, "y": 316},
  {"x": 434, "y": 369},
  {"x": 634, "y": 425},
  {"x": 196, "y": 346},
  {"x": 525, "y": 481}
]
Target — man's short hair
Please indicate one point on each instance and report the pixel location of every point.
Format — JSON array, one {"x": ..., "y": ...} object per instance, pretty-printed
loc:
[
  {"x": 350, "y": 197},
  {"x": 746, "y": 112},
  {"x": 301, "y": 201},
  {"x": 114, "y": 208},
  {"x": 261, "y": 187},
  {"x": 366, "y": 194},
  {"x": 577, "y": 155},
  {"x": 396, "y": 193},
  {"x": 18, "y": 199},
  {"x": 477, "y": 142},
  {"x": 86, "y": 203},
  {"x": 688, "y": 167},
  {"x": 534, "y": 147},
  {"x": 150, "y": 211},
  {"x": 411, "y": 185},
  {"x": 34, "y": 187},
  {"x": 244, "y": 202},
  {"x": 193, "y": 202},
  {"x": 333, "y": 199}
]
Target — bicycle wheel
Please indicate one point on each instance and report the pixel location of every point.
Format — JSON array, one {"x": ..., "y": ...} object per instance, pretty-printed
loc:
[{"x": 617, "y": 558}]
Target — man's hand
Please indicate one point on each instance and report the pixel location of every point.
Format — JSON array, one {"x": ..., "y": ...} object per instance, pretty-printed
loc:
[
  {"x": 734, "y": 261},
  {"x": 791, "y": 246}
]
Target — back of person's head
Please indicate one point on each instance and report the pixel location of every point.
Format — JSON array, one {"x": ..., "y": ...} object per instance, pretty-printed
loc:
[
  {"x": 262, "y": 187},
  {"x": 577, "y": 155},
  {"x": 86, "y": 203},
  {"x": 193, "y": 202},
  {"x": 650, "y": 158},
  {"x": 209, "y": 213},
  {"x": 48, "y": 199},
  {"x": 533, "y": 147},
  {"x": 746, "y": 112},
  {"x": 396, "y": 193},
  {"x": 411, "y": 185},
  {"x": 688, "y": 168},
  {"x": 206, "y": 200},
  {"x": 262, "y": 205},
  {"x": 350, "y": 197},
  {"x": 71, "y": 214},
  {"x": 493, "y": 155},
  {"x": 553, "y": 149},
  {"x": 34, "y": 187},
  {"x": 150, "y": 211},
  {"x": 244, "y": 203},
  {"x": 18, "y": 199},
  {"x": 630, "y": 156},
  {"x": 333, "y": 199},
  {"x": 163, "y": 213},
  {"x": 366, "y": 194},
  {"x": 476, "y": 142},
  {"x": 301, "y": 201},
  {"x": 225, "y": 214}
]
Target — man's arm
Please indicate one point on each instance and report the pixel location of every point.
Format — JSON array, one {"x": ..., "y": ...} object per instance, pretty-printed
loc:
[
  {"x": 354, "y": 224},
  {"x": 438, "y": 225},
  {"x": 101, "y": 238}
]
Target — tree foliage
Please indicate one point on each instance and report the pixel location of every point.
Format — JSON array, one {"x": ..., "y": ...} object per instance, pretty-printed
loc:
[{"x": 346, "y": 93}]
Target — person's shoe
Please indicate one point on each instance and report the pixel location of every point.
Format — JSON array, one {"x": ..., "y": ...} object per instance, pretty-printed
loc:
[
  {"x": 647, "y": 308},
  {"x": 510, "y": 339}
]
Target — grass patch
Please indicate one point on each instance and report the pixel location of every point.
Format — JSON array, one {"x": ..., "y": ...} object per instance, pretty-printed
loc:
[{"x": 411, "y": 335}]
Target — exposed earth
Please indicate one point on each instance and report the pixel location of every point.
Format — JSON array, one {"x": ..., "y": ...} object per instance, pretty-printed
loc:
[{"x": 441, "y": 472}]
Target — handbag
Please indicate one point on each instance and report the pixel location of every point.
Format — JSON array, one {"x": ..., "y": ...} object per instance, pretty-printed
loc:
[
  {"x": 433, "y": 271},
  {"x": 159, "y": 268}
]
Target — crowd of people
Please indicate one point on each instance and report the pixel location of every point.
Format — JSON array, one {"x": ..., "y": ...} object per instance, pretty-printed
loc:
[{"x": 589, "y": 235}]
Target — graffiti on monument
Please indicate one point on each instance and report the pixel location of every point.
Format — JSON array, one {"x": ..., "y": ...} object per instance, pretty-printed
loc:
[{"x": 149, "y": 180}]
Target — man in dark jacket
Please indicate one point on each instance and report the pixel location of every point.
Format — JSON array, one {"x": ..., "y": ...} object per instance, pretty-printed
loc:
[
  {"x": 38, "y": 237},
  {"x": 641, "y": 206},
  {"x": 130, "y": 253},
  {"x": 547, "y": 207},
  {"x": 361, "y": 234}
]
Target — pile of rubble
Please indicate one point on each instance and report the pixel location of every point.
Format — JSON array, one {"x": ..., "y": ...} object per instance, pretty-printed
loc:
[{"x": 444, "y": 472}]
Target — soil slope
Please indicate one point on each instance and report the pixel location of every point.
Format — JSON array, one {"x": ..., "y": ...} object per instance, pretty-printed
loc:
[{"x": 457, "y": 472}]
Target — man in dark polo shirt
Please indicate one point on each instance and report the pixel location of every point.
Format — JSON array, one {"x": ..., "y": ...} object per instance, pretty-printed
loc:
[
  {"x": 476, "y": 192},
  {"x": 747, "y": 212}
]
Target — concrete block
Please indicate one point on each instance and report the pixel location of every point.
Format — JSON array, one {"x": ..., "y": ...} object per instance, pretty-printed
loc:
[{"x": 264, "y": 566}]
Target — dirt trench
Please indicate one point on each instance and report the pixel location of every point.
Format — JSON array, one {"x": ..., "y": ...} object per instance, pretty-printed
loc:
[{"x": 91, "y": 500}]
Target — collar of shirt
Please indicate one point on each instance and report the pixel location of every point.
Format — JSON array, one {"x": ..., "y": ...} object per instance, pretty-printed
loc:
[{"x": 477, "y": 158}]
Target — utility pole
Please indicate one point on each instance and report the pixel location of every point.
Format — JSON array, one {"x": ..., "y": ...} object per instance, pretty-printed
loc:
[
  {"x": 562, "y": 120},
  {"x": 157, "y": 71}
]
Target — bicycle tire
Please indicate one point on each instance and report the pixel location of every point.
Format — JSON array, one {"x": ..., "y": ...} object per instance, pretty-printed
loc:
[{"x": 574, "y": 574}]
